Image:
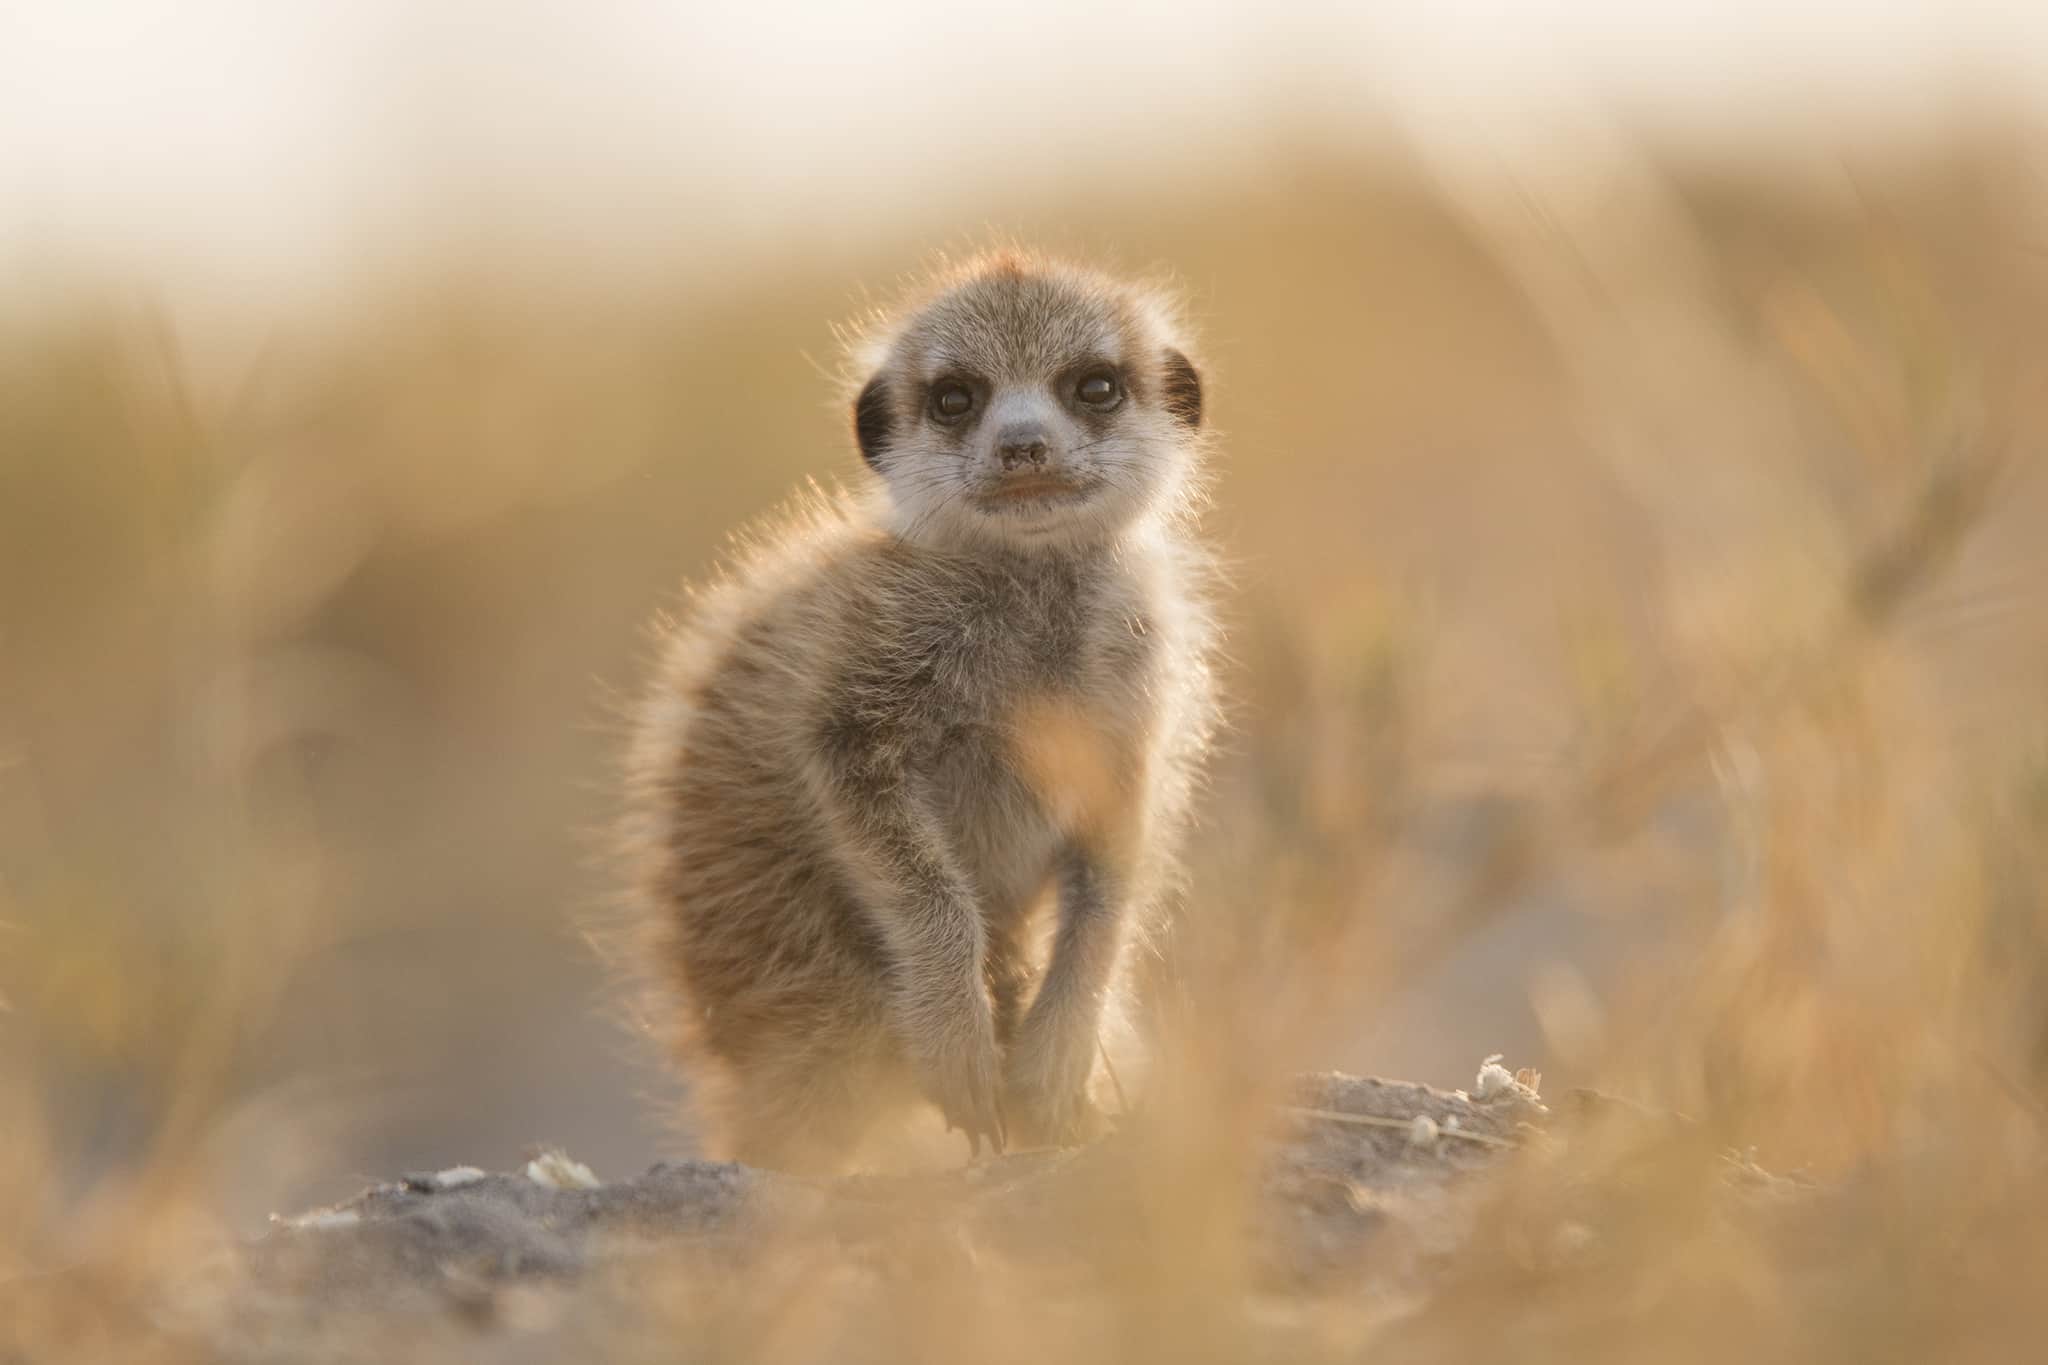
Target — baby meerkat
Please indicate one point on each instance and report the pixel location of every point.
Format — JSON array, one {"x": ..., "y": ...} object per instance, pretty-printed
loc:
[{"x": 907, "y": 717}]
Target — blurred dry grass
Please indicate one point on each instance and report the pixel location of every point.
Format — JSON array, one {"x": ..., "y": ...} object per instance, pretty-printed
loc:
[{"x": 1640, "y": 663}]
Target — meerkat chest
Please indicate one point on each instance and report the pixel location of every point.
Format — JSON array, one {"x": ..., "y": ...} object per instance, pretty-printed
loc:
[{"x": 1061, "y": 725}]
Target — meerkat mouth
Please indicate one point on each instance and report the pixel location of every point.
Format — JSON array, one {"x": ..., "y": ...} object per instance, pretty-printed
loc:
[{"x": 1036, "y": 491}]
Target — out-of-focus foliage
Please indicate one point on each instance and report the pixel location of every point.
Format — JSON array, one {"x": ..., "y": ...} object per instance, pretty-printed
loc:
[{"x": 1639, "y": 665}]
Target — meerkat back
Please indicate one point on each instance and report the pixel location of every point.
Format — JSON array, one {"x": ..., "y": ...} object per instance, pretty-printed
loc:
[{"x": 913, "y": 774}]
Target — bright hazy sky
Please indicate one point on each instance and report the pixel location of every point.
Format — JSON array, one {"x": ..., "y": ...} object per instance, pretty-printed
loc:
[{"x": 276, "y": 134}]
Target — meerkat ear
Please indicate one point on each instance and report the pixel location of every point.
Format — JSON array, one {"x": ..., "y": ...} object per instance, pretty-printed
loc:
[
  {"x": 1181, "y": 389},
  {"x": 873, "y": 421}
]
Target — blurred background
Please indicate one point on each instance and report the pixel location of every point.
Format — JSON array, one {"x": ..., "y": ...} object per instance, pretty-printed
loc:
[{"x": 1630, "y": 420}]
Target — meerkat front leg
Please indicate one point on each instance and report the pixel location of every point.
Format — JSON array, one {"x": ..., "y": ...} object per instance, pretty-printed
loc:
[
  {"x": 1047, "y": 1070},
  {"x": 911, "y": 889}
]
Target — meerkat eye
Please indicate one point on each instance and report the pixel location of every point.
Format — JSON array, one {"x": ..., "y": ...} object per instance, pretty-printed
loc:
[
  {"x": 952, "y": 400},
  {"x": 1097, "y": 390}
]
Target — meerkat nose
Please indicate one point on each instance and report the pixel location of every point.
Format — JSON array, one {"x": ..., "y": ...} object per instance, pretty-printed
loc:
[{"x": 1021, "y": 445}]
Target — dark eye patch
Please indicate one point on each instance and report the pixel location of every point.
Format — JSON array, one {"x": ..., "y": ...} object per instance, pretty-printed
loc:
[
  {"x": 1092, "y": 385},
  {"x": 1098, "y": 389},
  {"x": 951, "y": 400}
]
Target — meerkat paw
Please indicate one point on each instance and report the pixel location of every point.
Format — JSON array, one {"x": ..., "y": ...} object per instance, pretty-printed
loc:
[
  {"x": 1047, "y": 1100},
  {"x": 965, "y": 1083},
  {"x": 1053, "y": 1118}
]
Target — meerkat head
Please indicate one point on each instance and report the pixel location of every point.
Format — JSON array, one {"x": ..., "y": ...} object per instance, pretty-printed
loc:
[{"x": 1029, "y": 403}]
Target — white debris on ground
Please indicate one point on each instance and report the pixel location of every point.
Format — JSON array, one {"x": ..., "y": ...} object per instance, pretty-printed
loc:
[
  {"x": 1496, "y": 1081},
  {"x": 457, "y": 1175},
  {"x": 1422, "y": 1132},
  {"x": 559, "y": 1171},
  {"x": 320, "y": 1218}
]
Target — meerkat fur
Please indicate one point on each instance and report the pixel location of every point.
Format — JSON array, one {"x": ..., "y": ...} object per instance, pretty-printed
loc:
[{"x": 910, "y": 724}]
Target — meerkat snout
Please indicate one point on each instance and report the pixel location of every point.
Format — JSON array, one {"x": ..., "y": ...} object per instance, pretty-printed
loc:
[{"x": 1021, "y": 445}]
